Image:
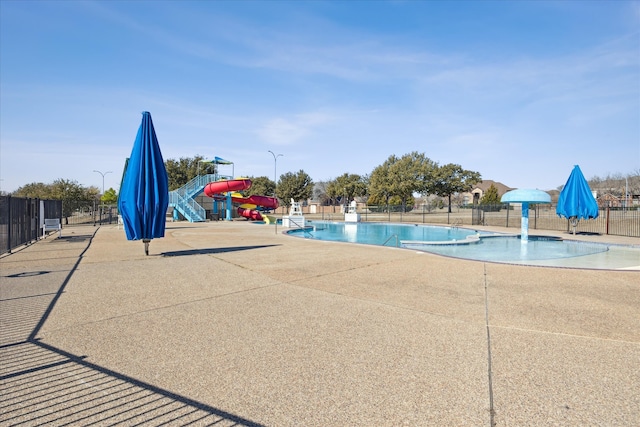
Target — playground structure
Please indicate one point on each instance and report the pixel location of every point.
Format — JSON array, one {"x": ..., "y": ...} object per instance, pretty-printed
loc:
[
  {"x": 253, "y": 207},
  {"x": 222, "y": 188}
]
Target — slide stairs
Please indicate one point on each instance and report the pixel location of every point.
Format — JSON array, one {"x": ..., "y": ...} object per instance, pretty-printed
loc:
[{"x": 183, "y": 201}]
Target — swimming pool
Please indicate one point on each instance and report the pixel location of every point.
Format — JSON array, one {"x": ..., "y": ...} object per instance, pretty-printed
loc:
[{"x": 477, "y": 245}]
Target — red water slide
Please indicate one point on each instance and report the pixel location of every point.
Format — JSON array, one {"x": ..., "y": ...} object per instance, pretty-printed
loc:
[
  {"x": 264, "y": 201},
  {"x": 220, "y": 187}
]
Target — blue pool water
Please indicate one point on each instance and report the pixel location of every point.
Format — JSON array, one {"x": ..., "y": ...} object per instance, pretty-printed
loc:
[
  {"x": 476, "y": 245},
  {"x": 380, "y": 233}
]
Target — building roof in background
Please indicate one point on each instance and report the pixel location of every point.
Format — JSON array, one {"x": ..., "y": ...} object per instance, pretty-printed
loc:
[{"x": 485, "y": 184}]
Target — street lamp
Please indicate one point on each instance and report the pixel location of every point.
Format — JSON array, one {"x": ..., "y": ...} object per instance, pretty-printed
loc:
[
  {"x": 275, "y": 165},
  {"x": 101, "y": 207},
  {"x": 103, "y": 174}
]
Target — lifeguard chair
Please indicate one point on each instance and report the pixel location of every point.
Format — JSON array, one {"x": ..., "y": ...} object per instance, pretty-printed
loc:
[
  {"x": 295, "y": 217},
  {"x": 295, "y": 210},
  {"x": 352, "y": 214}
]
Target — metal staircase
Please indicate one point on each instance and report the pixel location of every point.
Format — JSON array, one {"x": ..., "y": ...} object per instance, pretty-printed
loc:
[{"x": 183, "y": 201}]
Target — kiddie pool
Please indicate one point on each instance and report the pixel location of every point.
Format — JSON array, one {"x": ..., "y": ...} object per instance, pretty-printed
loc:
[{"x": 477, "y": 245}]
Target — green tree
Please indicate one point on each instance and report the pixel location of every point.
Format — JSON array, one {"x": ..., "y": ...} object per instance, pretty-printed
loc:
[
  {"x": 491, "y": 196},
  {"x": 261, "y": 186},
  {"x": 450, "y": 179},
  {"x": 109, "y": 197},
  {"x": 34, "y": 190},
  {"x": 185, "y": 169},
  {"x": 380, "y": 183},
  {"x": 402, "y": 177},
  {"x": 73, "y": 196},
  {"x": 393, "y": 204},
  {"x": 296, "y": 186},
  {"x": 347, "y": 186}
]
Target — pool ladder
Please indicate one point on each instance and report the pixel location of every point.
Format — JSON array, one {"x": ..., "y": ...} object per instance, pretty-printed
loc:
[
  {"x": 391, "y": 237},
  {"x": 304, "y": 229}
]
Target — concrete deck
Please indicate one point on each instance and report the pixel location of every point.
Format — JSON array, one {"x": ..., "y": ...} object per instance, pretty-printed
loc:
[{"x": 236, "y": 324}]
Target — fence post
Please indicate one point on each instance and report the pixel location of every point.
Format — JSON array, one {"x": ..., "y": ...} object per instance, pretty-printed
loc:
[
  {"x": 9, "y": 224},
  {"x": 607, "y": 217},
  {"x": 508, "y": 209}
]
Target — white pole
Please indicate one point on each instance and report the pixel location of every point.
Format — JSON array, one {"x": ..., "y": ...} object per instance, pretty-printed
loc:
[
  {"x": 103, "y": 174},
  {"x": 626, "y": 192},
  {"x": 275, "y": 165}
]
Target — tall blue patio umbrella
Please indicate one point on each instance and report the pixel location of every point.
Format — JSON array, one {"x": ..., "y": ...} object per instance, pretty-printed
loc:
[
  {"x": 576, "y": 201},
  {"x": 144, "y": 194}
]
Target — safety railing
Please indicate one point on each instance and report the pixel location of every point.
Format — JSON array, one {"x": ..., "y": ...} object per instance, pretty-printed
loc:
[
  {"x": 187, "y": 207},
  {"x": 391, "y": 237},
  {"x": 304, "y": 228},
  {"x": 182, "y": 198}
]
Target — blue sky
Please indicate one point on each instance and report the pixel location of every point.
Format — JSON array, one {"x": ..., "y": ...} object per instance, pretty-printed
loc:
[{"x": 518, "y": 91}]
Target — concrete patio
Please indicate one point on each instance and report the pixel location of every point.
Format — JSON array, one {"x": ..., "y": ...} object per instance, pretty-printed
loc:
[{"x": 237, "y": 324}]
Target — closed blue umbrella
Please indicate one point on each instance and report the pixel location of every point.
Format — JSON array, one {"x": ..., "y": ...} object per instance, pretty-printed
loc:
[
  {"x": 576, "y": 201},
  {"x": 144, "y": 194}
]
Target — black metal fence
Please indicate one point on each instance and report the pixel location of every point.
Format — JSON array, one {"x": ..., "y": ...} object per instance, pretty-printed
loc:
[
  {"x": 99, "y": 214},
  {"x": 611, "y": 221},
  {"x": 21, "y": 219},
  {"x": 617, "y": 222}
]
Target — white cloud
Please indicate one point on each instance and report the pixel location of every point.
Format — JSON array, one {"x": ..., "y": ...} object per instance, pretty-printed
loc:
[{"x": 288, "y": 131}]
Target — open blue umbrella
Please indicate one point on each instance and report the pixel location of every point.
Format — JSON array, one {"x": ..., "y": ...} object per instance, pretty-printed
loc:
[
  {"x": 576, "y": 201},
  {"x": 144, "y": 194}
]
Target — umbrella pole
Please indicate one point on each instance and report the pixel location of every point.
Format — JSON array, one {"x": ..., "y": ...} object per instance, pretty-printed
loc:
[
  {"x": 146, "y": 246},
  {"x": 574, "y": 223}
]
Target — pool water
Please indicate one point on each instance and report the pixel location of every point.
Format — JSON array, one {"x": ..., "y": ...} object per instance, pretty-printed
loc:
[
  {"x": 477, "y": 245},
  {"x": 380, "y": 233},
  {"x": 513, "y": 249}
]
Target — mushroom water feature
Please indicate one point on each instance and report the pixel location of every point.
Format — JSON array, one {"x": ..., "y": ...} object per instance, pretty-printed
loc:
[{"x": 525, "y": 197}]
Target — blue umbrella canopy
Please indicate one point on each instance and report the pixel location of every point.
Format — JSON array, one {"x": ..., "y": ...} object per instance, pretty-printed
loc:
[
  {"x": 144, "y": 194},
  {"x": 576, "y": 200}
]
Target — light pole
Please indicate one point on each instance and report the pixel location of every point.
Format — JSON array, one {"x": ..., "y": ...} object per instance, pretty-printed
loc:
[
  {"x": 101, "y": 207},
  {"x": 103, "y": 174},
  {"x": 275, "y": 165},
  {"x": 275, "y": 179}
]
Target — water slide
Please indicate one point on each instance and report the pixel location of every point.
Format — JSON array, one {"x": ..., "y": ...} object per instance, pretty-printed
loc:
[{"x": 249, "y": 206}]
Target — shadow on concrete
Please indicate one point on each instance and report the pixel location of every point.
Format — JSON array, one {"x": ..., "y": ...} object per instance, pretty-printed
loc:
[
  {"x": 28, "y": 274},
  {"x": 74, "y": 238},
  {"x": 209, "y": 251},
  {"x": 41, "y": 384}
]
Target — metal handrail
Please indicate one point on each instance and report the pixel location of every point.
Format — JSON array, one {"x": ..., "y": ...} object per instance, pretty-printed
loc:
[
  {"x": 183, "y": 196},
  {"x": 176, "y": 200},
  {"x": 391, "y": 237},
  {"x": 300, "y": 227},
  {"x": 197, "y": 184}
]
